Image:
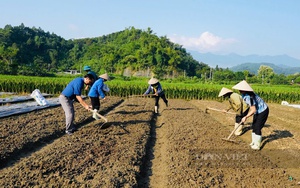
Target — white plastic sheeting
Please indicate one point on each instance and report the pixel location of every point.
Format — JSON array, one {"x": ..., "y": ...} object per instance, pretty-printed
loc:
[
  {"x": 20, "y": 108},
  {"x": 15, "y": 99},
  {"x": 291, "y": 105},
  {"x": 22, "y": 105}
]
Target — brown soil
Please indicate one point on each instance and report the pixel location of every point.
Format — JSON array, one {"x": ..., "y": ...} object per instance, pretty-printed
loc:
[{"x": 182, "y": 147}]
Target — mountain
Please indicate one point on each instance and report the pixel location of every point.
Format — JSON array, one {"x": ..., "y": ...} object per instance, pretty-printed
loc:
[
  {"x": 254, "y": 67},
  {"x": 230, "y": 60}
]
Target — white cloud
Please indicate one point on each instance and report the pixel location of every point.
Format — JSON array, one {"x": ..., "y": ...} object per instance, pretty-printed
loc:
[{"x": 207, "y": 42}]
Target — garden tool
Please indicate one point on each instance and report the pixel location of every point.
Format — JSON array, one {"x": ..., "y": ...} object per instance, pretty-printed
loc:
[
  {"x": 214, "y": 109},
  {"x": 141, "y": 95},
  {"x": 99, "y": 115},
  {"x": 228, "y": 138}
]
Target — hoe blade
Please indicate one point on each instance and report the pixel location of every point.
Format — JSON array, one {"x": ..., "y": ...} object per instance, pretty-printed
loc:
[{"x": 230, "y": 140}]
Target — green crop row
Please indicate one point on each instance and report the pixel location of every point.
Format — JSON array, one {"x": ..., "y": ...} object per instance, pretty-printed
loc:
[{"x": 123, "y": 88}]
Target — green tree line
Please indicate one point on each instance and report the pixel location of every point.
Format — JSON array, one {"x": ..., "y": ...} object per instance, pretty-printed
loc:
[{"x": 34, "y": 52}]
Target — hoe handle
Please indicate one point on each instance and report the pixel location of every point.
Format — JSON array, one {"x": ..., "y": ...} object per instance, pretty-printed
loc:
[
  {"x": 234, "y": 130},
  {"x": 102, "y": 117},
  {"x": 218, "y": 110},
  {"x": 141, "y": 95}
]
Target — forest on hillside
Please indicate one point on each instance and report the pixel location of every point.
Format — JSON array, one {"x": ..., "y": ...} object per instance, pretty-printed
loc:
[{"x": 32, "y": 51}]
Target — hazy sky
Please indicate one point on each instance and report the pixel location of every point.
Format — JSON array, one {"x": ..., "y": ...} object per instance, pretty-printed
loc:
[{"x": 245, "y": 27}]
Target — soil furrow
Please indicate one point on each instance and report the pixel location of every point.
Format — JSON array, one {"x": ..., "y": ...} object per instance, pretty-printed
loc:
[{"x": 24, "y": 134}]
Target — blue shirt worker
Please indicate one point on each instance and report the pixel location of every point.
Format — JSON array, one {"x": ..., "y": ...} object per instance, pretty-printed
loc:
[
  {"x": 89, "y": 71},
  {"x": 156, "y": 89},
  {"x": 98, "y": 90},
  {"x": 258, "y": 108},
  {"x": 72, "y": 93}
]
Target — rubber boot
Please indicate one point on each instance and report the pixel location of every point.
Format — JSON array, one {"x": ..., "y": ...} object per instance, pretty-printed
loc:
[
  {"x": 156, "y": 109},
  {"x": 252, "y": 142},
  {"x": 238, "y": 131},
  {"x": 95, "y": 114},
  {"x": 257, "y": 142}
]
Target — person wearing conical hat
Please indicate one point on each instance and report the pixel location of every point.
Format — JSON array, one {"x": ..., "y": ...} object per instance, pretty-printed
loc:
[
  {"x": 258, "y": 109},
  {"x": 97, "y": 90},
  {"x": 237, "y": 104},
  {"x": 156, "y": 89}
]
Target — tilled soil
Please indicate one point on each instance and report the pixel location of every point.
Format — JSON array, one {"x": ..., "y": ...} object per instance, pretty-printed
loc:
[{"x": 180, "y": 147}]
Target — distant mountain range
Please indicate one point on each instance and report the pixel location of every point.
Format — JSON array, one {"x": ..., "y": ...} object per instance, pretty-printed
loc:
[{"x": 281, "y": 64}]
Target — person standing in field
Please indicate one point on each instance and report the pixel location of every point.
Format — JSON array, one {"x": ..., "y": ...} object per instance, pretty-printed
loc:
[
  {"x": 156, "y": 89},
  {"x": 72, "y": 93},
  {"x": 237, "y": 104},
  {"x": 97, "y": 90},
  {"x": 258, "y": 109},
  {"x": 89, "y": 71}
]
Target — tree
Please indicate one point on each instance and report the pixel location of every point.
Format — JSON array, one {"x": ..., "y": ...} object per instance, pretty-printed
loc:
[{"x": 266, "y": 73}]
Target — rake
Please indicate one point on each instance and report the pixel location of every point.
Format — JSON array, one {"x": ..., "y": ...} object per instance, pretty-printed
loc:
[
  {"x": 228, "y": 138},
  {"x": 214, "y": 109}
]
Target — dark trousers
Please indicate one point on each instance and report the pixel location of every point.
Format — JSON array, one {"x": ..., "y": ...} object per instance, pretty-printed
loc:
[
  {"x": 95, "y": 103},
  {"x": 259, "y": 121},
  {"x": 163, "y": 96}
]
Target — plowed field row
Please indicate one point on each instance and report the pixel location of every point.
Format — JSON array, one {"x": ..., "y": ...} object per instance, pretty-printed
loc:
[{"x": 92, "y": 157}]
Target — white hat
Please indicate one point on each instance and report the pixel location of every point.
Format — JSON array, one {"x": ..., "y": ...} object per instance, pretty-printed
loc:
[
  {"x": 104, "y": 76},
  {"x": 243, "y": 86},
  {"x": 224, "y": 91},
  {"x": 153, "y": 81}
]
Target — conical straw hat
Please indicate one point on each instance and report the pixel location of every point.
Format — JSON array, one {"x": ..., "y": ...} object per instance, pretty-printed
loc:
[
  {"x": 104, "y": 76},
  {"x": 153, "y": 81},
  {"x": 243, "y": 86},
  {"x": 224, "y": 91}
]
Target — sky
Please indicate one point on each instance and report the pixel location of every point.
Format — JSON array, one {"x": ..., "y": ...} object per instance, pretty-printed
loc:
[{"x": 244, "y": 27}]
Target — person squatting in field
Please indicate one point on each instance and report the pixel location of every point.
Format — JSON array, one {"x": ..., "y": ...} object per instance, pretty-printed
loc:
[
  {"x": 156, "y": 88},
  {"x": 97, "y": 90},
  {"x": 72, "y": 93},
  {"x": 258, "y": 108},
  {"x": 237, "y": 104}
]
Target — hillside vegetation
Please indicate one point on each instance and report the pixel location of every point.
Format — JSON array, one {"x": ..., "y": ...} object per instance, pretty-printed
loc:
[{"x": 32, "y": 51}]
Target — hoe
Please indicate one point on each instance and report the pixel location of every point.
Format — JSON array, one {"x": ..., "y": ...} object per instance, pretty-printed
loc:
[
  {"x": 102, "y": 117},
  {"x": 228, "y": 138},
  {"x": 141, "y": 95}
]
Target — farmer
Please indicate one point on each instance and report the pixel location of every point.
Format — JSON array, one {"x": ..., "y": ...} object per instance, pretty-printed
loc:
[
  {"x": 89, "y": 71},
  {"x": 156, "y": 89},
  {"x": 98, "y": 90},
  {"x": 237, "y": 104},
  {"x": 258, "y": 108},
  {"x": 73, "y": 93}
]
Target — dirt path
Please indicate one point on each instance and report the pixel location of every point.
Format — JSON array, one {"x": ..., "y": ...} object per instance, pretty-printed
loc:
[{"x": 159, "y": 176}]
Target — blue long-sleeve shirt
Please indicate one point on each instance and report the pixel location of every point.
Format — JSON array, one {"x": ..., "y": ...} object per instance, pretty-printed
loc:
[
  {"x": 96, "y": 89},
  {"x": 155, "y": 89}
]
